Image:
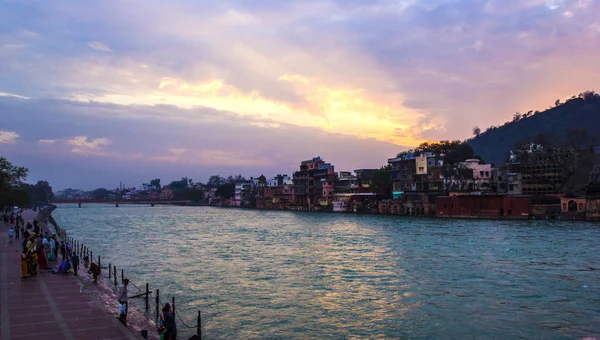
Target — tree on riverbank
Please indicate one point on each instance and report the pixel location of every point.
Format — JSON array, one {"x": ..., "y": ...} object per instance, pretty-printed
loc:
[
  {"x": 453, "y": 151},
  {"x": 12, "y": 178},
  {"x": 39, "y": 193}
]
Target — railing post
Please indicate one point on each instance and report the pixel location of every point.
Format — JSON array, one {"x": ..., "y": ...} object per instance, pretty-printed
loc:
[
  {"x": 122, "y": 276},
  {"x": 115, "y": 274},
  {"x": 173, "y": 301},
  {"x": 147, "y": 295},
  {"x": 91, "y": 256},
  {"x": 157, "y": 304},
  {"x": 99, "y": 266},
  {"x": 199, "y": 327},
  {"x": 109, "y": 271}
]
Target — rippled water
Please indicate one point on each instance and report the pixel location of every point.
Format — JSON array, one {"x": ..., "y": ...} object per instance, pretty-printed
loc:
[{"x": 265, "y": 274}]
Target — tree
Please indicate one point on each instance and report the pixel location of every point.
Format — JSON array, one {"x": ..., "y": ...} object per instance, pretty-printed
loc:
[
  {"x": 181, "y": 184},
  {"x": 196, "y": 195},
  {"x": 226, "y": 190},
  {"x": 381, "y": 183},
  {"x": 557, "y": 102},
  {"x": 156, "y": 183},
  {"x": 38, "y": 194},
  {"x": 454, "y": 151},
  {"x": 516, "y": 117},
  {"x": 405, "y": 153},
  {"x": 476, "y": 131},
  {"x": 215, "y": 181},
  {"x": 11, "y": 178},
  {"x": 100, "y": 193}
]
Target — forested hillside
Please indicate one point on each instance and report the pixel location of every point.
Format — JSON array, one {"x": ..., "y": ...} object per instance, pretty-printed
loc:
[{"x": 578, "y": 113}]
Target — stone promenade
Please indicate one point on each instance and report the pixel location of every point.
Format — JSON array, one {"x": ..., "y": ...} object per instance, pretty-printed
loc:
[{"x": 50, "y": 306}]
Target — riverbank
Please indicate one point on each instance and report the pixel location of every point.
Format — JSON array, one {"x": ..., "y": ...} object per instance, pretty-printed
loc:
[{"x": 54, "y": 301}]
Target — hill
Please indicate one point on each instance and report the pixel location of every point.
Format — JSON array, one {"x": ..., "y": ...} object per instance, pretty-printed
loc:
[{"x": 578, "y": 113}]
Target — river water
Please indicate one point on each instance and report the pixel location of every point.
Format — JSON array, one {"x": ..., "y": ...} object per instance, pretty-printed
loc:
[{"x": 290, "y": 275}]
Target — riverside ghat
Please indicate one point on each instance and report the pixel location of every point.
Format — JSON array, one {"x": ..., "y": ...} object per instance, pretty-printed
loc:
[
  {"x": 53, "y": 306},
  {"x": 278, "y": 274}
]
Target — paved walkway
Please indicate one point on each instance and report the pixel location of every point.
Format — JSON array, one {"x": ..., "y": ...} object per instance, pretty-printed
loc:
[{"x": 49, "y": 305}]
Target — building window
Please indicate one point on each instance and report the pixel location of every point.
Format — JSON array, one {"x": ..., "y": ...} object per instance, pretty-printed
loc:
[
  {"x": 421, "y": 169},
  {"x": 487, "y": 174},
  {"x": 580, "y": 206},
  {"x": 481, "y": 173},
  {"x": 511, "y": 187},
  {"x": 444, "y": 206}
]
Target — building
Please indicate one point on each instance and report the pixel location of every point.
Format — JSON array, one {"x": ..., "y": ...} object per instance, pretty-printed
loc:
[
  {"x": 324, "y": 186},
  {"x": 403, "y": 170},
  {"x": 243, "y": 195},
  {"x": 483, "y": 206},
  {"x": 364, "y": 177},
  {"x": 345, "y": 182},
  {"x": 482, "y": 174},
  {"x": 275, "y": 193},
  {"x": 543, "y": 172},
  {"x": 458, "y": 179},
  {"x": 305, "y": 196}
]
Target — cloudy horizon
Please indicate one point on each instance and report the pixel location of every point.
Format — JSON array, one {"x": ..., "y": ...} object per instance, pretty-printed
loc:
[{"x": 92, "y": 94}]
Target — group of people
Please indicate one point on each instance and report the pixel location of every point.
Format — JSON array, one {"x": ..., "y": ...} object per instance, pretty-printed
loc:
[{"x": 37, "y": 248}]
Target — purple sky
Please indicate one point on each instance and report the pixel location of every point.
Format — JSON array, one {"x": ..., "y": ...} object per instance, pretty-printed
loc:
[{"x": 93, "y": 93}]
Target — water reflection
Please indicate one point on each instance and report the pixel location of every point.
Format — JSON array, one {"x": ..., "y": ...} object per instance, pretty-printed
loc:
[{"x": 299, "y": 275}]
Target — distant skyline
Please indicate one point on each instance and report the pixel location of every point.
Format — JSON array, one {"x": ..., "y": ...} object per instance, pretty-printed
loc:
[{"x": 94, "y": 93}]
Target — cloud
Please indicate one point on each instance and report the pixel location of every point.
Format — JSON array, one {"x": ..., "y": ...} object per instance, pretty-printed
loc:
[
  {"x": 294, "y": 77},
  {"x": 96, "y": 45},
  {"x": 5, "y": 94},
  {"x": 177, "y": 151},
  {"x": 94, "y": 146},
  {"x": 47, "y": 141},
  {"x": 8, "y": 137},
  {"x": 152, "y": 146}
]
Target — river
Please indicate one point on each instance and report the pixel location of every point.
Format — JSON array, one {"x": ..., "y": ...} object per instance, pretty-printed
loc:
[{"x": 297, "y": 275}]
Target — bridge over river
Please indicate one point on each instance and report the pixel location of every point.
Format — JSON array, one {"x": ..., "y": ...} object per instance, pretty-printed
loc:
[{"x": 120, "y": 202}]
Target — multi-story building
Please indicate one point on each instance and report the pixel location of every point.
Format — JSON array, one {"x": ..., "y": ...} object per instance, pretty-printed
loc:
[
  {"x": 244, "y": 193},
  {"x": 304, "y": 184},
  {"x": 543, "y": 172},
  {"x": 364, "y": 178},
  {"x": 482, "y": 174},
  {"x": 403, "y": 170},
  {"x": 457, "y": 179},
  {"x": 324, "y": 185},
  {"x": 275, "y": 193},
  {"x": 345, "y": 182}
]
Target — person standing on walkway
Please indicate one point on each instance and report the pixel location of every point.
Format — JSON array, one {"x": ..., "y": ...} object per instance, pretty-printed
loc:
[
  {"x": 63, "y": 250},
  {"x": 123, "y": 301},
  {"x": 75, "y": 260},
  {"x": 11, "y": 235},
  {"x": 169, "y": 323},
  {"x": 18, "y": 232}
]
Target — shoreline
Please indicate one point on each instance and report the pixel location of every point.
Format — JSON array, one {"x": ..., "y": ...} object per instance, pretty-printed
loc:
[{"x": 399, "y": 216}]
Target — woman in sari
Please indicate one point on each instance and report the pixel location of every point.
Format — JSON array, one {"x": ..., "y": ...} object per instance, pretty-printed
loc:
[{"x": 24, "y": 271}]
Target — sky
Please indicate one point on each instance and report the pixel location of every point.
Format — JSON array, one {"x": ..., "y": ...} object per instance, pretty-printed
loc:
[{"x": 95, "y": 93}]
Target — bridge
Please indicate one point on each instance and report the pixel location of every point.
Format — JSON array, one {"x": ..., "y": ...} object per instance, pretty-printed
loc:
[{"x": 120, "y": 202}]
